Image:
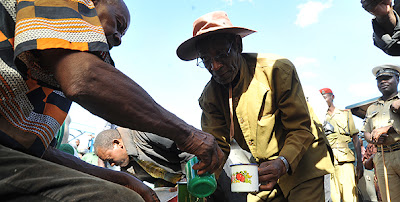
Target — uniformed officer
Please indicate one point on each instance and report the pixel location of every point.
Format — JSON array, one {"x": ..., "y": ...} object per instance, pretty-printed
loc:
[
  {"x": 340, "y": 130},
  {"x": 381, "y": 127}
]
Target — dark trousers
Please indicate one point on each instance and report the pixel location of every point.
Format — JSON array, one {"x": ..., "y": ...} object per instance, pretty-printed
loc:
[{"x": 26, "y": 178}]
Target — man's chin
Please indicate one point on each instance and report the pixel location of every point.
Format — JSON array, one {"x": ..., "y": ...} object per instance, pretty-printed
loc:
[{"x": 223, "y": 81}]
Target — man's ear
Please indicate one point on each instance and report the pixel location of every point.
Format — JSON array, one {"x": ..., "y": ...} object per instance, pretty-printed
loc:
[
  {"x": 239, "y": 44},
  {"x": 118, "y": 142}
]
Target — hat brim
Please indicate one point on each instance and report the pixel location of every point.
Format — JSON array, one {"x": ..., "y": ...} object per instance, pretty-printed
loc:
[
  {"x": 377, "y": 68},
  {"x": 187, "y": 50},
  {"x": 386, "y": 74}
]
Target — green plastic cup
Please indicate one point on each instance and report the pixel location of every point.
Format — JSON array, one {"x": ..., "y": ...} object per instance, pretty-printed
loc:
[{"x": 199, "y": 186}]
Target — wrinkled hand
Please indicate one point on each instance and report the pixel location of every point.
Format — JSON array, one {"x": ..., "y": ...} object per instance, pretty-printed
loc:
[
  {"x": 395, "y": 106},
  {"x": 269, "y": 172},
  {"x": 148, "y": 194},
  {"x": 359, "y": 171},
  {"x": 379, "y": 135},
  {"x": 205, "y": 147},
  {"x": 377, "y": 7}
]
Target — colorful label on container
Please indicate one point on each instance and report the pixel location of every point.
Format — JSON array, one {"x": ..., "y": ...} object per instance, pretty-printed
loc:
[{"x": 241, "y": 177}]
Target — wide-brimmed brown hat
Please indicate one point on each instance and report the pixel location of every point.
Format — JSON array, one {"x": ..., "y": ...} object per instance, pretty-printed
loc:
[{"x": 210, "y": 23}]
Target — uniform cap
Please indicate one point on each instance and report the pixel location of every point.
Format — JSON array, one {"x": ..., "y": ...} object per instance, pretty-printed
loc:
[
  {"x": 324, "y": 91},
  {"x": 386, "y": 70}
]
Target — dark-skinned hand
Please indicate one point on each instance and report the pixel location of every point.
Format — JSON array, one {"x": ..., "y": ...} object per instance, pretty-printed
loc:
[
  {"x": 359, "y": 171},
  {"x": 379, "y": 135},
  {"x": 205, "y": 147},
  {"x": 269, "y": 172},
  {"x": 395, "y": 106}
]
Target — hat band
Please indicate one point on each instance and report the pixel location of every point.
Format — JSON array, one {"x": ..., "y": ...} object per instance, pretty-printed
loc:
[{"x": 387, "y": 71}]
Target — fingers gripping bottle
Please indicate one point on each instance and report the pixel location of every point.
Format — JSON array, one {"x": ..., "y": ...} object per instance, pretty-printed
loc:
[{"x": 199, "y": 186}]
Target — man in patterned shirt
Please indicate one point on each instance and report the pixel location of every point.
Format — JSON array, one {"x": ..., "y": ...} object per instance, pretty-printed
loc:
[{"x": 53, "y": 52}]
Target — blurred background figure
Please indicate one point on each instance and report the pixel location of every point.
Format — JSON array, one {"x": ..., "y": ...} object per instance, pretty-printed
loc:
[
  {"x": 385, "y": 24},
  {"x": 340, "y": 131},
  {"x": 368, "y": 161}
]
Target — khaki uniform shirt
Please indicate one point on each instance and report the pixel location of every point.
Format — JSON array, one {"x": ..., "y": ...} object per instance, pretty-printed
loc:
[
  {"x": 344, "y": 128},
  {"x": 271, "y": 118},
  {"x": 379, "y": 115}
]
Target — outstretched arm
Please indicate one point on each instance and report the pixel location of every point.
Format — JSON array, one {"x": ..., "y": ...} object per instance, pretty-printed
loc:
[{"x": 105, "y": 91}]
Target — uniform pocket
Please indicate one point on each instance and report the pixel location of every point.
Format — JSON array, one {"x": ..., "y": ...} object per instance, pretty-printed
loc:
[{"x": 344, "y": 155}]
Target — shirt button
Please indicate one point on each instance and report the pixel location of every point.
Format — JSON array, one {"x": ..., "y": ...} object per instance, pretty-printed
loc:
[
  {"x": 250, "y": 142},
  {"x": 236, "y": 99},
  {"x": 241, "y": 120}
]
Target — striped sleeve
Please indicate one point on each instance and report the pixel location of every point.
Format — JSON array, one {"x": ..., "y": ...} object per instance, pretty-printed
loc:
[{"x": 67, "y": 24}]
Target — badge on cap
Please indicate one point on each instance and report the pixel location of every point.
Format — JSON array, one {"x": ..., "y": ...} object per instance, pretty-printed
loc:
[{"x": 324, "y": 91}]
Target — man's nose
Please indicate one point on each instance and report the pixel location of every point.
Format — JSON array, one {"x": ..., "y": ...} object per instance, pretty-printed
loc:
[
  {"x": 117, "y": 39},
  {"x": 215, "y": 65}
]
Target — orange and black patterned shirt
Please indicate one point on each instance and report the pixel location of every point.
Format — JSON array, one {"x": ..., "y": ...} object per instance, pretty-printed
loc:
[{"x": 31, "y": 99}]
